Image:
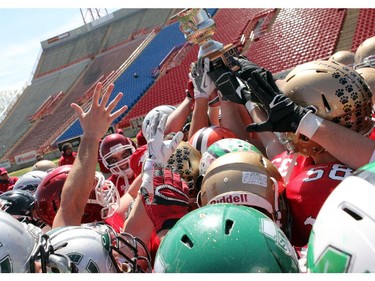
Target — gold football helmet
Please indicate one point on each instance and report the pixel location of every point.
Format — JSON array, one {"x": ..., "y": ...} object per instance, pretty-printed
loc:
[
  {"x": 334, "y": 92},
  {"x": 368, "y": 74},
  {"x": 344, "y": 57},
  {"x": 366, "y": 49},
  {"x": 243, "y": 178},
  {"x": 185, "y": 161}
]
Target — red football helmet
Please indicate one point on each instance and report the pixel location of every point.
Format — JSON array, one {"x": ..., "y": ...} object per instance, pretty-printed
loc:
[
  {"x": 102, "y": 203},
  {"x": 115, "y": 152},
  {"x": 206, "y": 136}
]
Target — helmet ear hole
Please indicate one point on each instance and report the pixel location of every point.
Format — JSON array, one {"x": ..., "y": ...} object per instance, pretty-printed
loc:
[
  {"x": 352, "y": 213},
  {"x": 228, "y": 226},
  {"x": 187, "y": 241},
  {"x": 126, "y": 267},
  {"x": 327, "y": 107}
]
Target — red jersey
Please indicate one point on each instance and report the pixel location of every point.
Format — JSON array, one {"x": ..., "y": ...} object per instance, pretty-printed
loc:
[
  {"x": 372, "y": 135},
  {"x": 67, "y": 159},
  {"x": 120, "y": 183},
  {"x": 308, "y": 187},
  {"x": 137, "y": 159},
  {"x": 6, "y": 185}
]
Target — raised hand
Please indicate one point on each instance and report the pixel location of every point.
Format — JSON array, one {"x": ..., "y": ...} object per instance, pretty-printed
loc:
[
  {"x": 230, "y": 87},
  {"x": 246, "y": 67},
  {"x": 283, "y": 114},
  {"x": 98, "y": 118},
  {"x": 203, "y": 85},
  {"x": 158, "y": 149}
]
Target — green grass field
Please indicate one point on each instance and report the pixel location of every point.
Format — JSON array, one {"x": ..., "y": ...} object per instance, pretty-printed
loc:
[
  {"x": 25, "y": 170},
  {"x": 28, "y": 169}
]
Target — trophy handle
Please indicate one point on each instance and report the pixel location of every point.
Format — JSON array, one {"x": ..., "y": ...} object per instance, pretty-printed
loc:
[{"x": 187, "y": 27}]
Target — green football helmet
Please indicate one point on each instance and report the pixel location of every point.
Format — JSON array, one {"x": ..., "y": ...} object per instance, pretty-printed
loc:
[
  {"x": 225, "y": 238},
  {"x": 222, "y": 147},
  {"x": 343, "y": 236}
]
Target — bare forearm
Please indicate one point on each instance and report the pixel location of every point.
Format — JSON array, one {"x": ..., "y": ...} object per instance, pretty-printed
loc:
[
  {"x": 214, "y": 115},
  {"x": 82, "y": 174},
  {"x": 200, "y": 117},
  {"x": 231, "y": 119},
  {"x": 347, "y": 146},
  {"x": 139, "y": 223},
  {"x": 129, "y": 196},
  {"x": 178, "y": 117}
]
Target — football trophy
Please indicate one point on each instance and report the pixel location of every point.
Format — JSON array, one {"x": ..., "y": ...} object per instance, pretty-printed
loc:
[{"x": 198, "y": 28}]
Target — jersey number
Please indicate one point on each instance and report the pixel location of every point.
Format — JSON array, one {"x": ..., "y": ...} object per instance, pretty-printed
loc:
[{"x": 338, "y": 172}]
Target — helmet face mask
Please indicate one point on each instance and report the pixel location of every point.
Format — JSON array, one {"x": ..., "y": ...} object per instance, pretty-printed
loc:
[
  {"x": 115, "y": 152},
  {"x": 337, "y": 93},
  {"x": 106, "y": 195},
  {"x": 97, "y": 248},
  {"x": 127, "y": 248},
  {"x": 367, "y": 62}
]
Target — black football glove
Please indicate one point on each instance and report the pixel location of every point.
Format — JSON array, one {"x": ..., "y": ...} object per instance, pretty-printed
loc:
[
  {"x": 283, "y": 114},
  {"x": 246, "y": 67},
  {"x": 229, "y": 86}
]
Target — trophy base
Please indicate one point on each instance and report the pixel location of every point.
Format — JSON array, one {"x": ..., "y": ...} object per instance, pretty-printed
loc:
[{"x": 224, "y": 57}]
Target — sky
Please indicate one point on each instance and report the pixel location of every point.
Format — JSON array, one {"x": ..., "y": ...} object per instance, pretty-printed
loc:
[
  {"x": 23, "y": 25},
  {"x": 22, "y": 31}
]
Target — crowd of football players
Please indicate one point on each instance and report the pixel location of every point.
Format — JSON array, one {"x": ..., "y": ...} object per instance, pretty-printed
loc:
[{"x": 247, "y": 174}]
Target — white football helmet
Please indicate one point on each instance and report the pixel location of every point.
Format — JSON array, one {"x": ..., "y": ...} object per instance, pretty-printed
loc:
[
  {"x": 30, "y": 181},
  {"x": 23, "y": 247},
  {"x": 343, "y": 235},
  {"x": 97, "y": 248}
]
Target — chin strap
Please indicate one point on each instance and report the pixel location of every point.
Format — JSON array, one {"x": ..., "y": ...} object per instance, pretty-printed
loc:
[{"x": 290, "y": 169}]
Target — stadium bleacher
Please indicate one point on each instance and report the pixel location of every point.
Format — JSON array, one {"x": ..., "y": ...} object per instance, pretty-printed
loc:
[
  {"x": 364, "y": 30},
  {"x": 104, "y": 64},
  {"x": 41, "y": 88},
  {"x": 149, "y": 59}
]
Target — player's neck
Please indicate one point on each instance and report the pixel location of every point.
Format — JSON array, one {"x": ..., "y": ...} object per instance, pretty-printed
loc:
[{"x": 323, "y": 158}]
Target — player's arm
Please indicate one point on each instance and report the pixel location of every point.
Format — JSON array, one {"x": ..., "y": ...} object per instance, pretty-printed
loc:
[
  {"x": 349, "y": 147},
  {"x": 80, "y": 180}
]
